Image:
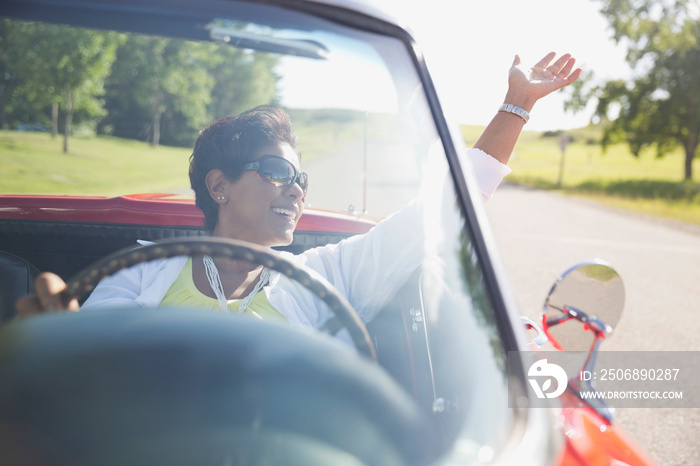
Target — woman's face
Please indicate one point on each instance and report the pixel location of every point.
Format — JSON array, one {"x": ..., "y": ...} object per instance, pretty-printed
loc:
[{"x": 258, "y": 211}]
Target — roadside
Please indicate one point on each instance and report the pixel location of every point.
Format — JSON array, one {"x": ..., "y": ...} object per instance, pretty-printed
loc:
[
  {"x": 599, "y": 202},
  {"x": 540, "y": 234},
  {"x": 645, "y": 184}
]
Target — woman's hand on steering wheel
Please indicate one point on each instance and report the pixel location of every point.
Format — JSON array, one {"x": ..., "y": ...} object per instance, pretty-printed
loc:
[{"x": 49, "y": 296}]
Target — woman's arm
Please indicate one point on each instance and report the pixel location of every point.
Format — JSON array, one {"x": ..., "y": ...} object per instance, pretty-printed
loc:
[{"x": 525, "y": 88}]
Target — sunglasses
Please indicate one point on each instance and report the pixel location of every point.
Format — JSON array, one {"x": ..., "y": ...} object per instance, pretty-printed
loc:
[{"x": 278, "y": 171}]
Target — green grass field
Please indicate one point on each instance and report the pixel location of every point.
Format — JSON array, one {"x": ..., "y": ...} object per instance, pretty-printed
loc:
[
  {"x": 35, "y": 163},
  {"x": 645, "y": 184}
]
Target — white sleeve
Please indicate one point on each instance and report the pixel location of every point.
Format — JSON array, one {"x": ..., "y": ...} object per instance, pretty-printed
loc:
[
  {"x": 142, "y": 285},
  {"x": 488, "y": 171},
  {"x": 119, "y": 290},
  {"x": 368, "y": 269}
]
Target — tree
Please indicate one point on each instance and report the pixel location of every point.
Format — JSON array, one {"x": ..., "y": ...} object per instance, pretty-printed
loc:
[
  {"x": 19, "y": 104},
  {"x": 165, "y": 90},
  {"x": 62, "y": 67},
  {"x": 152, "y": 76},
  {"x": 661, "y": 106},
  {"x": 244, "y": 79},
  {"x": 8, "y": 78}
]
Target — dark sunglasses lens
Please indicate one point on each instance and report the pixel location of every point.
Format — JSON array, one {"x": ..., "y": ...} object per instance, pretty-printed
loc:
[
  {"x": 278, "y": 171},
  {"x": 282, "y": 173},
  {"x": 303, "y": 180}
]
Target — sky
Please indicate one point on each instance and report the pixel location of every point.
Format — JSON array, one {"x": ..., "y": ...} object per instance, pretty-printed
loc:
[{"x": 470, "y": 45}]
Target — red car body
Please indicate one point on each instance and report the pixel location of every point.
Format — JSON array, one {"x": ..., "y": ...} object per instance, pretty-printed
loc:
[{"x": 151, "y": 209}]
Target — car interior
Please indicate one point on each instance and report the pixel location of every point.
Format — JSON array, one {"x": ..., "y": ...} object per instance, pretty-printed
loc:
[{"x": 403, "y": 340}]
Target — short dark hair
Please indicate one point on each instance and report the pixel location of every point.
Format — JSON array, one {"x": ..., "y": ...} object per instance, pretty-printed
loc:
[{"x": 230, "y": 142}]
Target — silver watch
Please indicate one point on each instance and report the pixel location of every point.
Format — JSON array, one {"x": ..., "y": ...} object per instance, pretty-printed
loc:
[{"x": 514, "y": 109}]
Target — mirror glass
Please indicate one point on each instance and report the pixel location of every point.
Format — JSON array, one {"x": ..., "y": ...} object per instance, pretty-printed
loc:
[{"x": 591, "y": 290}]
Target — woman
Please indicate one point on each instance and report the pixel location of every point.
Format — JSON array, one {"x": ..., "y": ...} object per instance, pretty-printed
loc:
[{"x": 246, "y": 176}]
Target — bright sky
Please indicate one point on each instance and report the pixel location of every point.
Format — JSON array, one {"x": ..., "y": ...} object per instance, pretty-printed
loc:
[{"x": 471, "y": 44}]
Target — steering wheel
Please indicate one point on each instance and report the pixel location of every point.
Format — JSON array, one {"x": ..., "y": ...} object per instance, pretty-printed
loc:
[{"x": 344, "y": 316}]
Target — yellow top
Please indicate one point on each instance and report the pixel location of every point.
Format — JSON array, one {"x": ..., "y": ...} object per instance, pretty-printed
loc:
[{"x": 183, "y": 292}]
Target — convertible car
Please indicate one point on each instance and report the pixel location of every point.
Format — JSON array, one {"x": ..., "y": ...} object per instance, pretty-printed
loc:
[{"x": 438, "y": 375}]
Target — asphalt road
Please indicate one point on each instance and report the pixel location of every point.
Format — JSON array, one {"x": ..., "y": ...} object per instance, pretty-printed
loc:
[{"x": 540, "y": 235}]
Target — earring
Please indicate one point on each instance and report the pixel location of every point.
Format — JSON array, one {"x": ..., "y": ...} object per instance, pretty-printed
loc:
[{"x": 220, "y": 198}]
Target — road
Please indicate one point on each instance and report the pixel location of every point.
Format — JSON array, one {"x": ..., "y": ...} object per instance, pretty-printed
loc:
[{"x": 540, "y": 235}]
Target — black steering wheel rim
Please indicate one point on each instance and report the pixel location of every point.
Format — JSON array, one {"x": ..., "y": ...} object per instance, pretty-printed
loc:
[{"x": 87, "y": 279}]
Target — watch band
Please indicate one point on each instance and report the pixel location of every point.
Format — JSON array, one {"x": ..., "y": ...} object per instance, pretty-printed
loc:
[{"x": 515, "y": 110}]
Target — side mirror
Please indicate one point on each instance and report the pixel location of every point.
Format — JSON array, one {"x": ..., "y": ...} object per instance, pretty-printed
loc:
[
  {"x": 581, "y": 310},
  {"x": 583, "y": 306}
]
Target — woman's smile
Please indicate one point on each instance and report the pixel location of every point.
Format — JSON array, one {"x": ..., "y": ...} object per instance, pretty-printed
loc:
[{"x": 288, "y": 213}]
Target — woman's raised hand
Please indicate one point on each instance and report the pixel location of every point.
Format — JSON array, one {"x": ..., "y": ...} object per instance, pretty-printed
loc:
[{"x": 527, "y": 85}]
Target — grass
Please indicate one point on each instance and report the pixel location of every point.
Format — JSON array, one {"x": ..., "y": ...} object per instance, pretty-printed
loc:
[
  {"x": 35, "y": 163},
  {"x": 645, "y": 184}
]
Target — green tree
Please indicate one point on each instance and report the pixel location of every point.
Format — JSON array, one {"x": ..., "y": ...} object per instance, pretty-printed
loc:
[
  {"x": 152, "y": 76},
  {"x": 20, "y": 104},
  {"x": 243, "y": 78},
  {"x": 660, "y": 107},
  {"x": 63, "y": 68},
  {"x": 8, "y": 78},
  {"x": 164, "y": 90}
]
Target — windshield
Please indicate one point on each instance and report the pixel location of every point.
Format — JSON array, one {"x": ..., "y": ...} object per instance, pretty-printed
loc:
[{"x": 88, "y": 111}]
